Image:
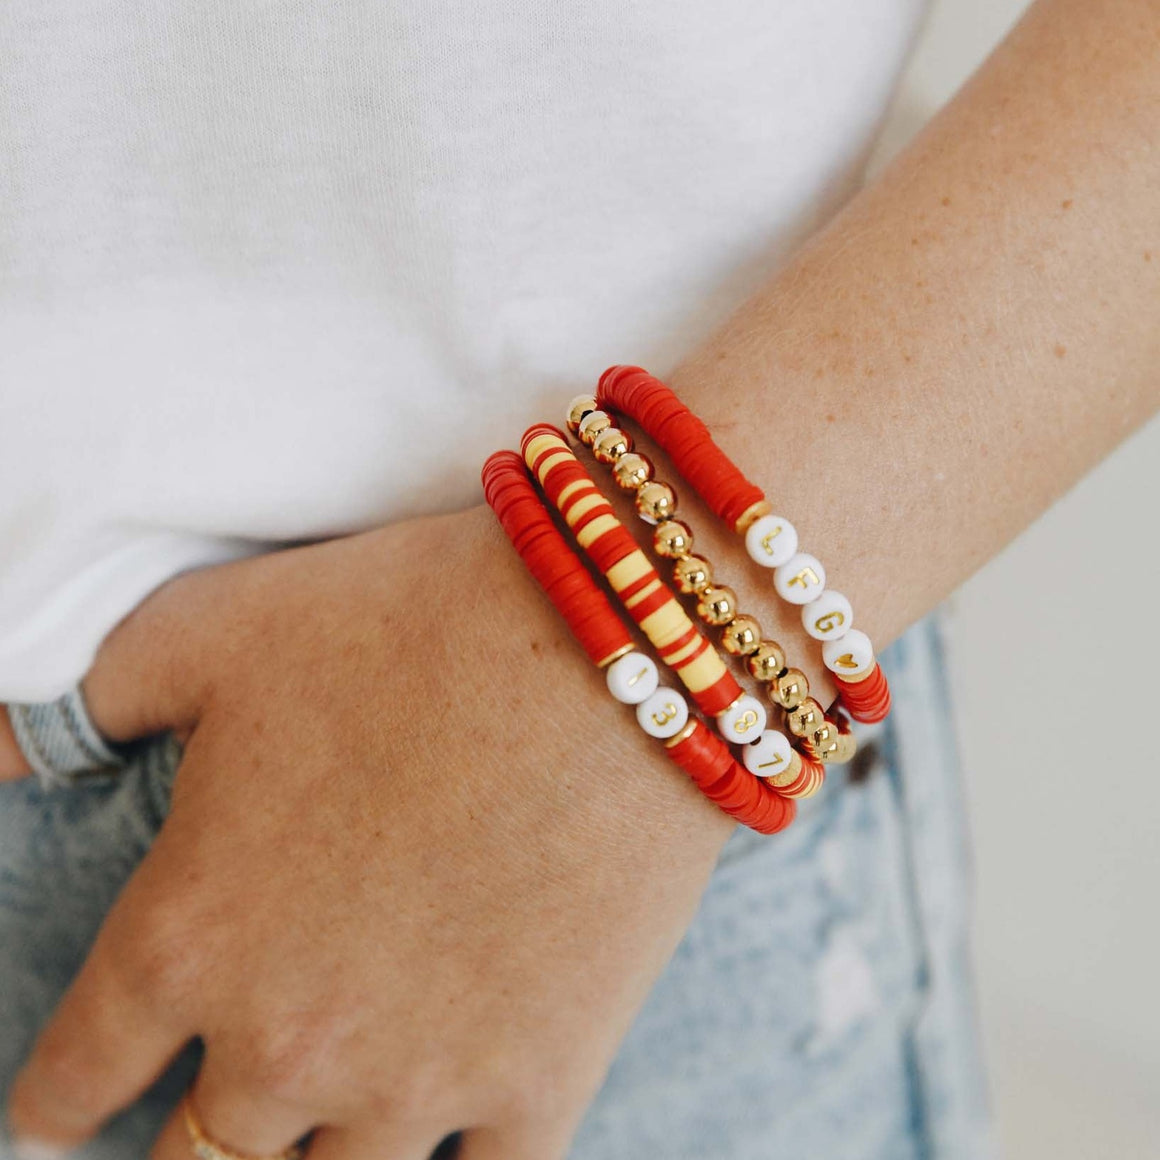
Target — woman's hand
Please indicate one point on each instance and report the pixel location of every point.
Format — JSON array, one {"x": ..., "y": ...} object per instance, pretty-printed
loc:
[{"x": 420, "y": 870}]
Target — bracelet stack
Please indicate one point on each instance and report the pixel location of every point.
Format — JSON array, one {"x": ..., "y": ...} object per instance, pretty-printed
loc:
[{"x": 776, "y": 766}]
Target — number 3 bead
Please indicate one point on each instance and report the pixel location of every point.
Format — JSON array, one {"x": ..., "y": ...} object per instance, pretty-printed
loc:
[{"x": 664, "y": 714}]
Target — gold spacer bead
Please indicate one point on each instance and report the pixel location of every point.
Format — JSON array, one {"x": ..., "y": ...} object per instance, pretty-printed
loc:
[
  {"x": 656, "y": 501},
  {"x": 623, "y": 651},
  {"x": 766, "y": 661},
  {"x": 672, "y": 540},
  {"x": 753, "y": 512},
  {"x": 580, "y": 406},
  {"x": 741, "y": 636},
  {"x": 632, "y": 470},
  {"x": 791, "y": 772},
  {"x": 692, "y": 574},
  {"x": 677, "y": 738},
  {"x": 611, "y": 444},
  {"x": 592, "y": 426},
  {"x": 717, "y": 604},
  {"x": 854, "y": 678},
  {"x": 803, "y": 720},
  {"x": 790, "y": 689}
]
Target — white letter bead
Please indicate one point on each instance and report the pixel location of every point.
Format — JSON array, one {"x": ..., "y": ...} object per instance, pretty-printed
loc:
[
  {"x": 849, "y": 656},
  {"x": 743, "y": 720},
  {"x": 768, "y": 755},
  {"x": 829, "y": 617},
  {"x": 633, "y": 678},
  {"x": 664, "y": 714},
  {"x": 800, "y": 579},
  {"x": 771, "y": 541}
]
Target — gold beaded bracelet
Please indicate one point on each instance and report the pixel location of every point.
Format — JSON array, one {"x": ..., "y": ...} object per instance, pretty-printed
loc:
[{"x": 656, "y": 503}]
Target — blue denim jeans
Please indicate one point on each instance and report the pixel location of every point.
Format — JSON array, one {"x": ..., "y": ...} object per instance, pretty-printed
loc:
[{"x": 820, "y": 1005}]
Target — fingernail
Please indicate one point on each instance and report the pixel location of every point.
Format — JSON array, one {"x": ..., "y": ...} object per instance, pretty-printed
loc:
[{"x": 37, "y": 1150}]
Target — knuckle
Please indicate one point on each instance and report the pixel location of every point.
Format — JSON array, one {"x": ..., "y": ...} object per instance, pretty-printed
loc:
[{"x": 287, "y": 1060}]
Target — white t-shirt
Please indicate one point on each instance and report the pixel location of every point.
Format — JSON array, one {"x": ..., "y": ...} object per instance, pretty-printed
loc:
[{"x": 286, "y": 270}]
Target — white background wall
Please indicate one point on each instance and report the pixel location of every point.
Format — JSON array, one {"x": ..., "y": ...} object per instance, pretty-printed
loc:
[{"x": 1064, "y": 793}]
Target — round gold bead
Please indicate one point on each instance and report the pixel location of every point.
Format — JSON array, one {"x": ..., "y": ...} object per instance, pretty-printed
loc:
[
  {"x": 790, "y": 689},
  {"x": 692, "y": 574},
  {"x": 824, "y": 741},
  {"x": 717, "y": 604},
  {"x": 803, "y": 720},
  {"x": 580, "y": 406},
  {"x": 672, "y": 540},
  {"x": 656, "y": 501},
  {"x": 766, "y": 661},
  {"x": 611, "y": 444},
  {"x": 741, "y": 636},
  {"x": 846, "y": 747},
  {"x": 592, "y": 426},
  {"x": 632, "y": 470}
]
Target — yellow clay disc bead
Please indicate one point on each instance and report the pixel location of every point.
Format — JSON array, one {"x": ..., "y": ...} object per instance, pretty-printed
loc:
[
  {"x": 717, "y": 604},
  {"x": 632, "y": 470},
  {"x": 806, "y": 718},
  {"x": 656, "y": 501},
  {"x": 790, "y": 689},
  {"x": 692, "y": 574},
  {"x": 580, "y": 406},
  {"x": 611, "y": 444},
  {"x": 766, "y": 661},
  {"x": 741, "y": 636},
  {"x": 592, "y": 426},
  {"x": 672, "y": 540}
]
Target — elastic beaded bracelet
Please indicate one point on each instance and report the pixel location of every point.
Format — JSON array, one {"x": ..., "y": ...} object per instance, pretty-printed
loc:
[
  {"x": 770, "y": 540},
  {"x": 631, "y": 676},
  {"x": 717, "y": 605},
  {"x": 740, "y": 717}
]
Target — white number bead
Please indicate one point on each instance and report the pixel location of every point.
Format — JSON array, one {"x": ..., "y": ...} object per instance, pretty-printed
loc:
[
  {"x": 851, "y": 655},
  {"x": 768, "y": 755},
  {"x": 664, "y": 714},
  {"x": 771, "y": 541},
  {"x": 743, "y": 720},
  {"x": 800, "y": 579},
  {"x": 829, "y": 617},
  {"x": 633, "y": 678}
]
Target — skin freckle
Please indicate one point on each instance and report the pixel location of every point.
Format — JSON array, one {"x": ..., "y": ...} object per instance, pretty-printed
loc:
[
  {"x": 1060, "y": 350},
  {"x": 946, "y": 201},
  {"x": 1067, "y": 203}
]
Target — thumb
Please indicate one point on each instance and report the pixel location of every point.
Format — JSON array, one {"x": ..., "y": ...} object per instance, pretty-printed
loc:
[{"x": 150, "y": 675}]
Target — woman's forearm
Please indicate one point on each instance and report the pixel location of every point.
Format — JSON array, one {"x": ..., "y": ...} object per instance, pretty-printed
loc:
[{"x": 972, "y": 333}]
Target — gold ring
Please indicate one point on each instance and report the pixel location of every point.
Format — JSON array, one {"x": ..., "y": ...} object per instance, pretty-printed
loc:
[{"x": 206, "y": 1149}]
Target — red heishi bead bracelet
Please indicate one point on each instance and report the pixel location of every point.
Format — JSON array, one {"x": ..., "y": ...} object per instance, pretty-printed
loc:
[
  {"x": 593, "y": 621},
  {"x": 720, "y": 483}
]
